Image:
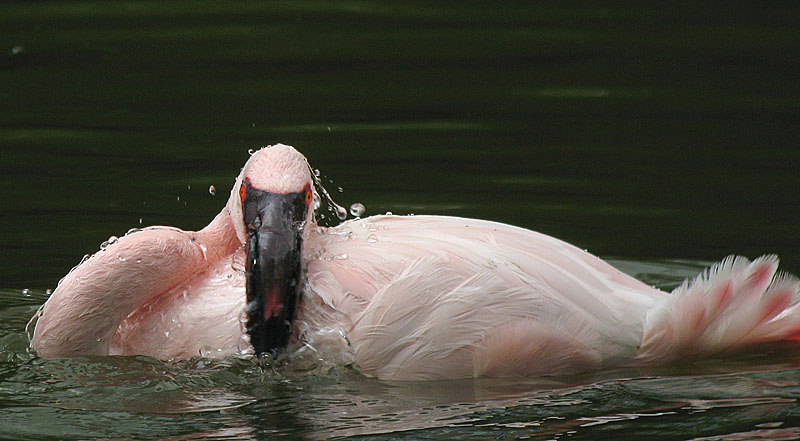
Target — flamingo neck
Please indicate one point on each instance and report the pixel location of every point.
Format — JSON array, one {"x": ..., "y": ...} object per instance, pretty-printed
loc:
[{"x": 219, "y": 237}]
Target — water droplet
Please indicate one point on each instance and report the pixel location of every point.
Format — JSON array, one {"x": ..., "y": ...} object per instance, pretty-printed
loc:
[
  {"x": 250, "y": 152},
  {"x": 188, "y": 186},
  {"x": 99, "y": 339},
  {"x": 179, "y": 198},
  {"x": 341, "y": 213},
  {"x": 342, "y": 256},
  {"x": 138, "y": 260},
  {"x": 134, "y": 230},
  {"x": 388, "y": 213},
  {"x": 357, "y": 209},
  {"x": 322, "y": 199},
  {"x": 111, "y": 240},
  {"x": 340, "y": 189},
  {"x": 166, "y": 334},
  {"x": 372, "y": 238},
  {"x": 16, "y": 50},
  {"x": 48, "y": 291},
  {"x": 203, "y": 250},
  {"x": 122, "y": 258},
  {"x": 26, "y": 292},
  {"x": 212, "y": 190},
  {"x": 329, "y": 129},
  {"x": 140, "y": 221}
]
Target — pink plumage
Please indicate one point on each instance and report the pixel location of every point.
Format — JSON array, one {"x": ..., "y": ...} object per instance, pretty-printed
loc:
[{"x": 408, "y": 297}]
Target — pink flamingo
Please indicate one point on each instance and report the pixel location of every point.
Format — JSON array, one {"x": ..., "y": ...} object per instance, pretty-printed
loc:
[{"x": 398, "y": 297}]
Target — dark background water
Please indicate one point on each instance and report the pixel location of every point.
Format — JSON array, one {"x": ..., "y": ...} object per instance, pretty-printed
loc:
[{"x": 664, "y": 136}]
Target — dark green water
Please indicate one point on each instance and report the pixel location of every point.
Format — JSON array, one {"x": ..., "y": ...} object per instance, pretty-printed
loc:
[{"x": 665, "y": 138}]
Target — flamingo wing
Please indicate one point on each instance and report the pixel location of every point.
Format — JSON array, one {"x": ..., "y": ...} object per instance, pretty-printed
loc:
[
  {"x": 85, "y": 310},
  {"x": 201, "y": 317},
  {"x": 424, "y": 297}
]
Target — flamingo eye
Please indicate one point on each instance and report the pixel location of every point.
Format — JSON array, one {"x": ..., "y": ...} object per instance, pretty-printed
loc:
[
  {"x": 242, "y": 192},
  {"x": 309, "y": 196}
]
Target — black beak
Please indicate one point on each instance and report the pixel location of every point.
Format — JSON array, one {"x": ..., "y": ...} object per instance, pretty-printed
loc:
[{"x": 274, "y": 248}]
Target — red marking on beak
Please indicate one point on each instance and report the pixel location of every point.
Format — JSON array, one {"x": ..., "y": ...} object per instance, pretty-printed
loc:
[{"x": 272, "y": 304}]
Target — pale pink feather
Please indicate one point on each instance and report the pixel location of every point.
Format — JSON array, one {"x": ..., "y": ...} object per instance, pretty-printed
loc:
[{"x": 408, "y": 297}]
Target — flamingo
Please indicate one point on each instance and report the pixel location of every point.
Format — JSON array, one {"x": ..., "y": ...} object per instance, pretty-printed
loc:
[{"x": 396, "y": 297}]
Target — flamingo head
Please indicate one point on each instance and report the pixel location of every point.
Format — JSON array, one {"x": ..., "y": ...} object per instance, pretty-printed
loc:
[{"x": 270, "y": 205}]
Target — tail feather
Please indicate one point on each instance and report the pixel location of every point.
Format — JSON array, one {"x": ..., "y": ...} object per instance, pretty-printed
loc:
[{"x": 732, "y": 304}]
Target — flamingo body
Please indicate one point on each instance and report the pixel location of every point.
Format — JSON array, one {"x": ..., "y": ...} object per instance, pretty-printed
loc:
[
  {"x": 407, "y": 297},
  {"x": 464, "y": 297}
]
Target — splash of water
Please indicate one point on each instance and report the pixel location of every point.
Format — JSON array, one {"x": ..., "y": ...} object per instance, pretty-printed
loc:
[{"x": 324, "y": 202}]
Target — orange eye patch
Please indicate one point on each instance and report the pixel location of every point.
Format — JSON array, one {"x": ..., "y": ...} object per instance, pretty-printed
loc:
[{"x": 242, "y": 192}]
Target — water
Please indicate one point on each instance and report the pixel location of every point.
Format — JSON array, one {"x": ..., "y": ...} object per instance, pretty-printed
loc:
[
  {"x": 662, "y": 138},
  {"x": 357, "y": 209}
]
